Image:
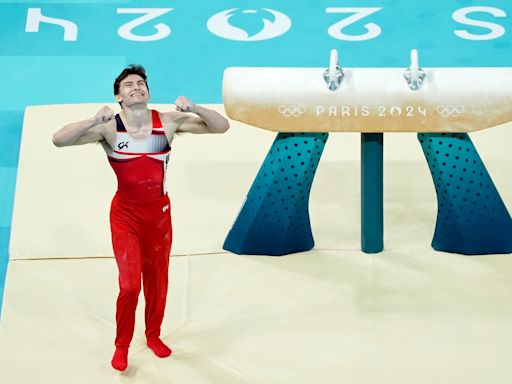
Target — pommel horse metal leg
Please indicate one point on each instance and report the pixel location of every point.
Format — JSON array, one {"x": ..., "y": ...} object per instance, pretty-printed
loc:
[
  {"x": 471, "y": 217},
  {"x": 372, "y": 192},
  {"x": 274, "y": 219}
]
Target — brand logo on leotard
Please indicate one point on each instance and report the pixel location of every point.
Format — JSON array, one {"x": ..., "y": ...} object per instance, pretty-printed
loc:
[
  {"x": 165, "y": 208},
  {"x": 122, "y": 145}
]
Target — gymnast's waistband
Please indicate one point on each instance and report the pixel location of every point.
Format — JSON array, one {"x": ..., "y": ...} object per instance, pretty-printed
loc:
[{"x": 123, "y": 199}]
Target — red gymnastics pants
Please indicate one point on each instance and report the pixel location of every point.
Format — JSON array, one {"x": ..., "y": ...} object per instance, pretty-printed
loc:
[{"x": 141, "y": 238}]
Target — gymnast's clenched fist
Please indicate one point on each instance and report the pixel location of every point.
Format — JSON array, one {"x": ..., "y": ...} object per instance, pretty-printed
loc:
[
  {"x": 104, "y": 114},
  {"x": 185, "y": 105}
]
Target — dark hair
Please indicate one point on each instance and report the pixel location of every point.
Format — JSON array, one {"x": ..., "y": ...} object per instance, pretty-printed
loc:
[{"x": 132, "y": 69}]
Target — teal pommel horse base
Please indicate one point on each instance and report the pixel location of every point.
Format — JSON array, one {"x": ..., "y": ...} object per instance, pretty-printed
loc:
[
  {"x": 274, "y": 219},
  {"x": 295, "y": 102},
  {"x": 372, "y": 180}
]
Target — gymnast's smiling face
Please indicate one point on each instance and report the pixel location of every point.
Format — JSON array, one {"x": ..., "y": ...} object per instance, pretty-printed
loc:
[{"x": 133, "y": 90}]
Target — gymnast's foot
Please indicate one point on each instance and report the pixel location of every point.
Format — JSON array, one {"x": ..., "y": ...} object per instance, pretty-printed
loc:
[
  {"x": 120, "y": 359},
  {"x": 158, "y": 347}
]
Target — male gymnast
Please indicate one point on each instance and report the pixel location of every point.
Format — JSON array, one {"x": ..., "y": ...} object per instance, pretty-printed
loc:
[{"x": 137, "y": 142}]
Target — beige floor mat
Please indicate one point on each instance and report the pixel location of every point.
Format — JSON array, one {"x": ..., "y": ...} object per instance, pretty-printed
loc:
[{"x": 406, "y": 315}]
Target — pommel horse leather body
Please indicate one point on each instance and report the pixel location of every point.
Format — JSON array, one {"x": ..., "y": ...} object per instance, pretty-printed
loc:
[{"x": 369, "y": 100}]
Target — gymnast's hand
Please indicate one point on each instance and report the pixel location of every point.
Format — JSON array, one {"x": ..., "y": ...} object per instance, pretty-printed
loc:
[
  {"x": 185, "y": 105},
  {"x": 104, "y": 114}
]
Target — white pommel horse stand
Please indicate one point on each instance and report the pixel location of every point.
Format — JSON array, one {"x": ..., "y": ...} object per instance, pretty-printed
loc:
[{"x": 441, "y": 104}]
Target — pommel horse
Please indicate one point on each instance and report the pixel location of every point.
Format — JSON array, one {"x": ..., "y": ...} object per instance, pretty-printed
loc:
[{"x": 304, "y": 104}]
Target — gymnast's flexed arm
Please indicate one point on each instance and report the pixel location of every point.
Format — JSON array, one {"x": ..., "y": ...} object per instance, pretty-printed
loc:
[
  {"x": 94, "y": 129},
  {"x": 207, "y": 120}
]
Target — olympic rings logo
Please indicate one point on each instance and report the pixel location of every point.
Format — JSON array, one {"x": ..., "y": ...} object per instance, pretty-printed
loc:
[
  {"x": 291, "y": 110},
  {"x": 450, "y": 110}
]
